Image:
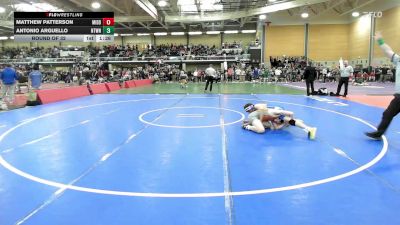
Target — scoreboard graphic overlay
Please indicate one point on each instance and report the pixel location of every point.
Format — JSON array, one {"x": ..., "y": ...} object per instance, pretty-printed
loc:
[{"x": 64, "y": 26}]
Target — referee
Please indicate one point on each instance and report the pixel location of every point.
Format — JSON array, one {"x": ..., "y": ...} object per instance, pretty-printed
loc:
[
  {"x": 309, "y": 76},
  {"x": 394, "y": 107},
  {"x": 210, "y": 76},
  {"x": 345, "y": 72}
]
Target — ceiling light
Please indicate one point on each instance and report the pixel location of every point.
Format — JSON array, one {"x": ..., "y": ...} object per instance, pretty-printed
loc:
[
  {"x": 160, "y": 34},
  {"x": 115, "y": 35},
  {"x": 195, "y": 32},
  {"x": 143, "y": 34},
  {"x": 304, "y": 15},
  {"x": 213, "y": 32},
  {"x": 231, "y": 31},
  {"x": 126, "y": 35},
  {"x": 262, "y": 17},
  {"x": 12, "y": 37},
  {"x": 2, "y": 9},
  {"x": 248, "y": 31},
  {"x": 355, "y": 14},
  {"x": 3, "y": 38},
  {"x": 162, "y": 3},
  {"x": 95, "y": 5},
  {"x": 177, "y": 33},
  {"x": 271, "y": 1}
]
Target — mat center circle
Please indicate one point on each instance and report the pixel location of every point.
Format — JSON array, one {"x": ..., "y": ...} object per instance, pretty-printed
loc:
[{"x": 191, "y": 117}]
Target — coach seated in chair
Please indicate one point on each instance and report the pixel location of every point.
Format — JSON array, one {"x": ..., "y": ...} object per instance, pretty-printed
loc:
[{"x": 22, "y": 81}]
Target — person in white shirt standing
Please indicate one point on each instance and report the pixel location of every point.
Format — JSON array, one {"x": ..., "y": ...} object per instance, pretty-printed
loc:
[
  {"x": 278, "y": 73},
  {"x": 324, "y": 73},
  {"x": 211, "y": 74},
  {"x": 345, "y": 72},
  {"x": 195, "y": 76}
]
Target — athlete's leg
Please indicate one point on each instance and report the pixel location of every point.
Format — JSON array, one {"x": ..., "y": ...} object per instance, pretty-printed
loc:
[
  {"x": 256, "y": 126},
  {"x": 299, "y": 123}
]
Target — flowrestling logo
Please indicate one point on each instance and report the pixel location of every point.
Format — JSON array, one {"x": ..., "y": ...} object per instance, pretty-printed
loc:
[{"x": 374, "y": 14}]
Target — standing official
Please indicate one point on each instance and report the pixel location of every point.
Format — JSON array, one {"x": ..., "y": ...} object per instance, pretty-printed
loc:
[
  {"x": 211, "y": 74},
  {"x": 309, "y": 76},
  {"x": 345, "y": 72}
]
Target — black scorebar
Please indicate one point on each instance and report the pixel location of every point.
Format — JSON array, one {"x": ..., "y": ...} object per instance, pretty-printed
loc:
[
  {"x": 35, "y": 22},
  {"x": 65, "y": 26},
  {"x": 59, "y": 30},
  {"x": 52, "y": 15}
]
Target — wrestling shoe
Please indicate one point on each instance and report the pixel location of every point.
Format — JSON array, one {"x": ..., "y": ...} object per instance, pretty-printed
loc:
[
  {"x": 245, "y": 126},
  {"x": 374, "y": 135},
  {"x": 312, "y": 133}
]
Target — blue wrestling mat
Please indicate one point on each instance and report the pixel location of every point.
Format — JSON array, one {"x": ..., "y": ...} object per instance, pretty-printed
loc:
[{"x": 185, "y": 160}]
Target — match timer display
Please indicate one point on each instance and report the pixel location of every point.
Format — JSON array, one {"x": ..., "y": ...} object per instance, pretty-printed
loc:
[{"x": 64, "y": 26}]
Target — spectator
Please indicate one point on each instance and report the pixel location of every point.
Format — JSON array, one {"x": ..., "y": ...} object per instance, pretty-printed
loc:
[
  {"x": 256, "y": 73},
  {"x": 8, "y": 79},
  {"x": 278, "y": 73},
  {"x": 196, "y": 77},
  {"x": 230, "y": 73},
  {"x": 35, "y": 78},
  {"x": 324, "y": 74},
  {"x": 22, "y": 81},
  {"x": 265, "y": 75}
]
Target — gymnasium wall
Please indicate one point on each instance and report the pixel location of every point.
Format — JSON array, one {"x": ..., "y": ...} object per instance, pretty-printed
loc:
[
  {"x": 246, "y": 39},
  {"x": 284, "y": 40},
  {"x": 328, "y": 42},
  {"x": 388, "y": 24},
  {"x": 359, "y": 32}
]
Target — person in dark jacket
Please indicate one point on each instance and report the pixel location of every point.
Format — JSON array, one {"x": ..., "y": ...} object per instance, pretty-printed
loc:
[{"x": 309, "y": 76}]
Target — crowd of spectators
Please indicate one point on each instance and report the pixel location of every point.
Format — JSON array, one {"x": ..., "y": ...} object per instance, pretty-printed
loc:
[
  {"x": 28, "y": 52},
  {"x": 128, "y": 50},
  {"x": 291, "y": 68},
  {"x": 282, "y": 69}
]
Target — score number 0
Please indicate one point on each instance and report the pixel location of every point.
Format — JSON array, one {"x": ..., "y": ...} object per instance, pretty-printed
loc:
[{"x": 108, "y": 21}]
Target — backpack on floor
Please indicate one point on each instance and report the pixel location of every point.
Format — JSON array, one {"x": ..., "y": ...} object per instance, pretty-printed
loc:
[
  {"x": 322, "y": 91},
  {"x": 32, "y": 99}
]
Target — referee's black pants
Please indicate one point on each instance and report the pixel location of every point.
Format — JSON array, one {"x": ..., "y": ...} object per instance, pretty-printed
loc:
[
  {"x": 310, "y": 84},
  {"x": 345, "y": 81},
  {"x": 210, "y": 80},
  {"x": 391, "y": 111}
]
